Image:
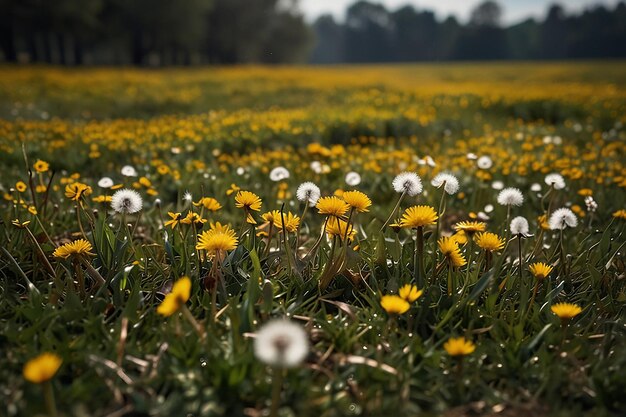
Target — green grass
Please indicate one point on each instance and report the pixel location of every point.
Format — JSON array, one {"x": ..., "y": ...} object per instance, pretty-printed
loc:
[{"x": 203, "y": 130}]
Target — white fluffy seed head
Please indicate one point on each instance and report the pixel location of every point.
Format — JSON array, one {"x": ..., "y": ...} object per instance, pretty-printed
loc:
[
  {"x": 353, "y": 178},
  {"x": 450, "y": 182},
  {"x": 562, "y": 218},
  {"x": 556, "y": 181},
  {"x": 126, "y": 201},
  {"x": 484, "y": 162},
  {"x": 279, "y": 174},
  {"x": 497, "y": 185},
  {"x": 129, "y": 171},
  {"x": 519, "y": 226},
  {"x": 281, "y": 343},
  {"x": 408, "y": 182},
  {"x": 105, "y": 182},
  {"x": 308, "y": 191},
  {"x": 510, "y": 197}
]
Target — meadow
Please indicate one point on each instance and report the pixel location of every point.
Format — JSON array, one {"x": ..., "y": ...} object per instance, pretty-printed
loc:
[{"x": 325, "y": 241}]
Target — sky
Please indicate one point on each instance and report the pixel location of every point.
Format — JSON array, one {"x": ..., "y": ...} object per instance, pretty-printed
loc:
[{"x": 514, "y": 10}]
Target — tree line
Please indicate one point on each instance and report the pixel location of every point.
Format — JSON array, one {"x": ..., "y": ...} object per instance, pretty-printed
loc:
[
  {"x": 186, "y": 32},
  {"x": 372, "y": 33},
  {"x": 152, "y": 32}
]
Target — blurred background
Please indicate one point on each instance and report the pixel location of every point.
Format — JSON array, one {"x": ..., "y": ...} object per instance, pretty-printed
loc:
[{"x": 192, "y": 32}]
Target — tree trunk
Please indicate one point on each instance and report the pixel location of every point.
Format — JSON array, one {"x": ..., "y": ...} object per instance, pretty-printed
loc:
[
  {"x": 7, "y": 41},
  {"x": 62, "y": 50},
  {"x": 78, "y": 52}
]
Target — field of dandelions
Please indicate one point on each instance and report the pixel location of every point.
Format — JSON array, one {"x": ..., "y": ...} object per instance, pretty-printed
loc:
[{"x": 368, "y": 241}]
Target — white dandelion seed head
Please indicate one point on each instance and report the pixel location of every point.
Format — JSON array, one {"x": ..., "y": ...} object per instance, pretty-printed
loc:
[
  {"x": 241, "y": 171},
  {"x": 519, "y": 226},
  {"x": 510, "y": 197},
  {"x": 429, "y": 161},
  {"x": 497, "y": 185},
  {"x": 188, "y": 197},
  {"x": 451, "y": 182},
  {"x": 279, "y": 174},
  {"x": 591, "y": 204},
  {"x": 126, "y": 201},
  {"x": 105, "y": 182},
  {"x": 562, "y": 218},
  {"x": 488, "y": 208},
  {"x": 281, "y": 343},
  {"x": 482, "y": 216},
  {"x": 308, "y": 191},
  {"x": 316, "y": 166},
  {"x": 128, "y": 171},
  {"x": 536, "y": 187},
  {"x": 408, "y": 182},
  {"x": 353, "y": 178},
  {"x": 555, "y": 180},
  {"x": 557, "y": 140},
  {"x": 471, "y": 156},
  {"x": 484, "y": 162},
  {"x": 157, "y": 202}
]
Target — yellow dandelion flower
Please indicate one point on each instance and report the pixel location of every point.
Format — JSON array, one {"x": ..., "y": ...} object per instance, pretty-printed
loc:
[
  {"x": 410, "y": 293},
  {"x": 42, "y": 368},
  {"x": 394, "y": 304},
  {"x": 418, "y": 216},
  {"x": 489, "y": 241},
  {"x": 208, "y": 203},
  {"x": 458, "y": 346},
  {"x": 233, "y": 189},
  {"x": 175, "y": 299},
  {"x": 291, "y": 220},
  {"x": 332, "y": 206},
  {"x": 20, "y": 186},
  {"x": 396, "y": 226},
  {"x": 193, "y": 218},
  {"x": 248, "y": 201},
  {"x": 566, "y": 311},
  {"x": 175, "y": 219},
  {"x": 540, "y": 270},
  {"x": 337, "y": 228},
  {"x": 19, "y": 224},
  {"x": 145, "y": 182},
  {"x": 218, "y": 239},
  {"x": 41, "y": 188},
  {"x": 32, "y": 210},
  {"x": 470, "y": 227},
  {"x": 460, "y": 237},
  {"x": 102, "y": 199},
  {"x": 543, "y": 222},
  {"x": 77, "y": 247},
  {"x": 41, "y": 166},
  {"x": 357, "y": 200},
  {"x": 76, "y": 190},
  {"x": 450, "y": 250},
  {"x": 620, "y": 214}
]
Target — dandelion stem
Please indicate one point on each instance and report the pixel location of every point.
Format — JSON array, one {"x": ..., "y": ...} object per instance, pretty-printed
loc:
[
  {"x": 191, "y": 319},
  {"x": 48, "y": 395},
  {"x": 442, "y": 209},
  {"x": 285, "y": 240},
  {"x": 419, "y": 257},
  {"x": 277, "y": 387},
  {"x": 306, "y": 208},
  {"x": 382, "y": 229}
]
